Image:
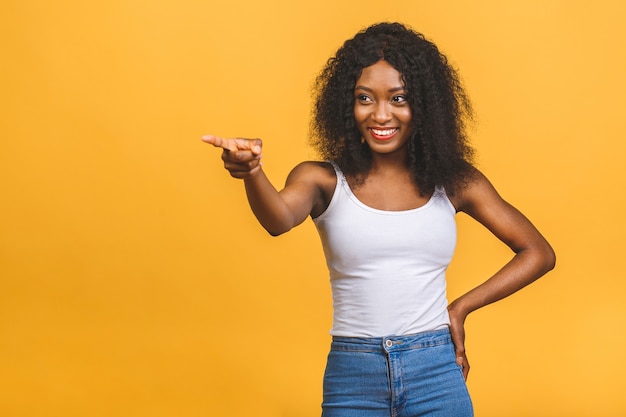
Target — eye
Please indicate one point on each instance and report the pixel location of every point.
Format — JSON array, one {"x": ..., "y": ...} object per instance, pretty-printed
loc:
[
  {"x": 399, "y": 99},
  {"x": 363, "y": 98}
]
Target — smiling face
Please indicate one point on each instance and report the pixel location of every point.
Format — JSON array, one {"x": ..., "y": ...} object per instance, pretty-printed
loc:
[{"x": 381, "y": 110}]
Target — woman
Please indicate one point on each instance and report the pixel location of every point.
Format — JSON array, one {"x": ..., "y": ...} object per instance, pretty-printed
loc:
[{"x": 389, "y": 122}]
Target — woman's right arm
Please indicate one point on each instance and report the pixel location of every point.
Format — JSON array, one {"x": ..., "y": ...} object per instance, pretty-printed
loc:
[{"x": 278, "y": 212}]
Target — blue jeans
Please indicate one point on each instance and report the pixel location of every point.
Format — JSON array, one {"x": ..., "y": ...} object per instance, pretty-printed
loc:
[{"x": 395, "y": 376}]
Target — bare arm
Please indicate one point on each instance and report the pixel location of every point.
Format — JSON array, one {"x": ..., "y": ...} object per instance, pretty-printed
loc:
[
  {"x": 278, "y": 212},
  {"x": 533, "y": 255}
]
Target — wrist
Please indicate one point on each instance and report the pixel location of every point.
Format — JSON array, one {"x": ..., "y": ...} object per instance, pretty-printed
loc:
[
  {"x": 458, "y": 311},
  {"x": 254, "y": 173}
]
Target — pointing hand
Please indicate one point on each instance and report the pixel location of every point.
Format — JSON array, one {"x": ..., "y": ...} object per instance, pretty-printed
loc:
[{"x": 242, "y": 157}]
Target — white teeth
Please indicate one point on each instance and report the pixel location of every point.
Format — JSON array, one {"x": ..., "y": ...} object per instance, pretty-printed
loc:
[{"x": 385, "y": 132}]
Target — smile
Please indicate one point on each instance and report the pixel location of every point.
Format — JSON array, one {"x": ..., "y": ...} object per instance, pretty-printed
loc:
[{"x": 383, "y": 134}]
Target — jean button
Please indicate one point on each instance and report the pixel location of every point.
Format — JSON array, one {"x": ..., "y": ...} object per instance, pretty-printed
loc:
[{"x": 388, "y": 343}]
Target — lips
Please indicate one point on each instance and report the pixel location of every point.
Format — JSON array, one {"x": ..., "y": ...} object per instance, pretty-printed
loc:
[{"x": 383, "y": 134}]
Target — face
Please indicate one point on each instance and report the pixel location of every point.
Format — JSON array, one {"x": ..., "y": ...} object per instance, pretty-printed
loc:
[{"x": 381, "y": 110}]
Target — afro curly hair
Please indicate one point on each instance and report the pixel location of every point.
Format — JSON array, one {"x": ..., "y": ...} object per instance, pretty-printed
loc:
[{"x": 439, "y": 150}]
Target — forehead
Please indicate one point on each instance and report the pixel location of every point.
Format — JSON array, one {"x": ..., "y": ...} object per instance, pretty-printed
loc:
[{"x": 380, "y": 74}]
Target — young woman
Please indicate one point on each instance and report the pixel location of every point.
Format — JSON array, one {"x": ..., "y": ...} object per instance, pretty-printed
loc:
[{"x": 389, "y": 125}]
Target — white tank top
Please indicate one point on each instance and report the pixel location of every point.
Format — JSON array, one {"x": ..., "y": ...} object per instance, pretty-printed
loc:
[{"x": 387, "y": 268}]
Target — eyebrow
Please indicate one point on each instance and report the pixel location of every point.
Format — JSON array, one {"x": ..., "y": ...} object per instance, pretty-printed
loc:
[{"x": 391, "y": 90}]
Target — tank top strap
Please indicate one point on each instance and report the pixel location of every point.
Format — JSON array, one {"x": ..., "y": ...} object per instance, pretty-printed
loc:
[{"x": 340, "y": 176}]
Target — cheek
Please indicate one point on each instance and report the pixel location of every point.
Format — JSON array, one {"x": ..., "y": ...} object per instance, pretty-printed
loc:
[
  {"x": 405, "y": 116},
  {"x": 359, "y": 114}
]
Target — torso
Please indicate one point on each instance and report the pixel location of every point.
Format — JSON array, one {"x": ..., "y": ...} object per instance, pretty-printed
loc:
[{"x": 387, "y": 267}]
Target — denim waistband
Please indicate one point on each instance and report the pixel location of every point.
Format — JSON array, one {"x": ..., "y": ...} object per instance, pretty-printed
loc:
[{"x": 392, "y": 343}]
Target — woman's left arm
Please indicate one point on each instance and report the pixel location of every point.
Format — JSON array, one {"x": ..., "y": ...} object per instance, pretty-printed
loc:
[{"x": 533, "y": 255}]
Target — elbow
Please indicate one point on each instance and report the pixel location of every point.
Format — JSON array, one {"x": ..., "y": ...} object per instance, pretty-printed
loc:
[
  {"x": 275, "y": 232},
  {"x": 552, "y": 263},
  {"x": 281, "y": 225},
  {"x": 276, "y": 226},
  {"x": 548, "y": 258},
  {"x": 541, "y": 259}
]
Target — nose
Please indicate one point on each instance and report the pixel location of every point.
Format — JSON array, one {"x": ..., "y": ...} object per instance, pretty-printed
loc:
[{"x": 381, "y": 113}]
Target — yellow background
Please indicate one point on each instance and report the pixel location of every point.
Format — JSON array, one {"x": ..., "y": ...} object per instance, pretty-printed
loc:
[{"x": 135, "y": 281}]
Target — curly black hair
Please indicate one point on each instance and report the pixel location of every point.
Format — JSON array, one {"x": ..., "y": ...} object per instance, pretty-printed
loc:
[{"x": 439, "y": 150}]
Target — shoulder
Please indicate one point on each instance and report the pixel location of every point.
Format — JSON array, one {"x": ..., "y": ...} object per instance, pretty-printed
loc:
[
  {"x": 476, "y": 191},
  {"x": 314, "y": 167},
  {"x": 315, "y": 172},
  {"x": 480, "y": 200},
  {"x": 319, "y": 178}
]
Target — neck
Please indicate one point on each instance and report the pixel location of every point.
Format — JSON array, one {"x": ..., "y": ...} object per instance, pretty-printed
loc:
[{"x": 390, "y": 162}]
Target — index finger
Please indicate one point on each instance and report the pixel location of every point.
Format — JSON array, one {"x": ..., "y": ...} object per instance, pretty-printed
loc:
[
  {"x": 238, "y": 144},
  {"x": 218, "y": 142}
]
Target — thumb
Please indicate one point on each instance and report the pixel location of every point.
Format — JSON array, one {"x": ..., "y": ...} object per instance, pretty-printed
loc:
[
  {"x": 459, "y": 359},
  {"x": 253, "y": 145}
]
